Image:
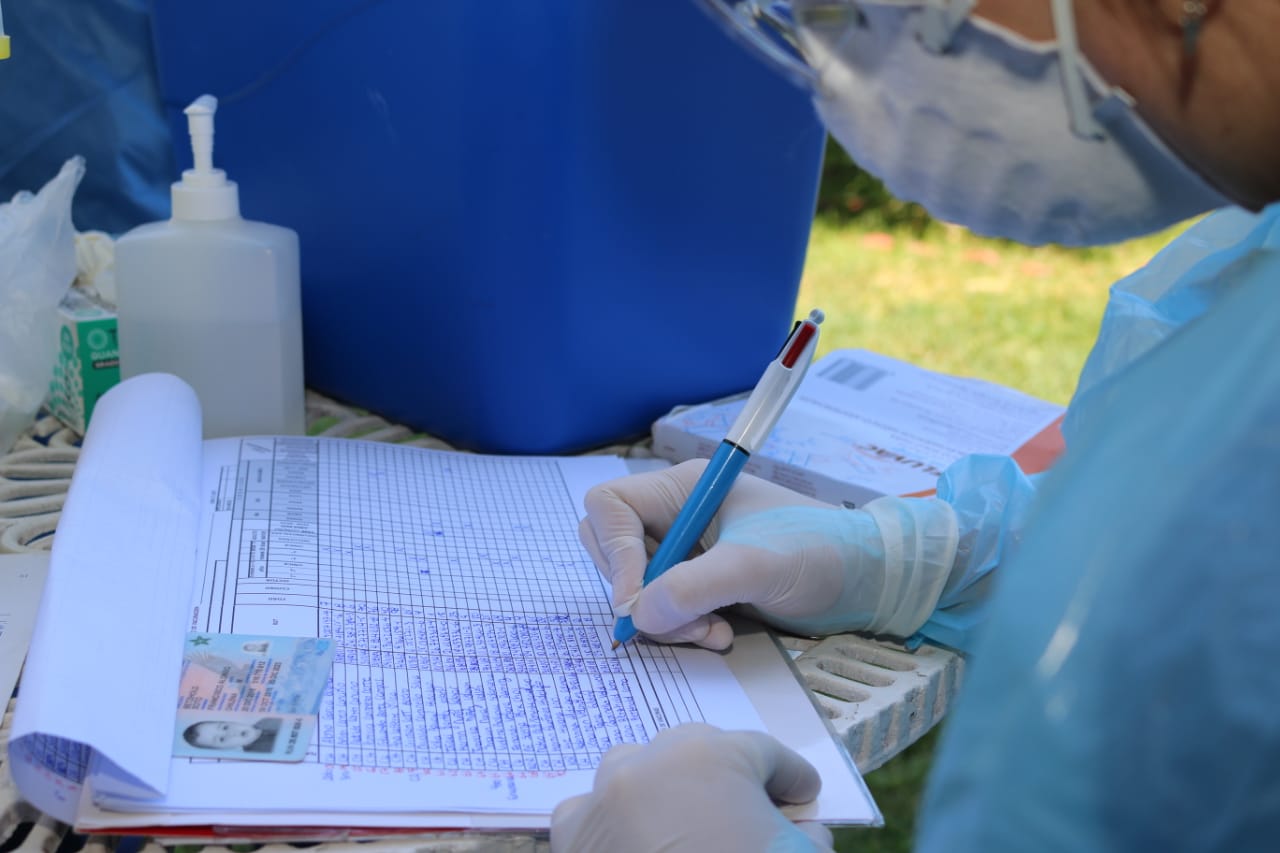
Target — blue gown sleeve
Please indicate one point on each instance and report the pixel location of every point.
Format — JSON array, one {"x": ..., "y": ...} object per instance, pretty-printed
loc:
[
  {"x": 992, "y": 497},
  {"x": 1122, "y": 695},
  {"x": 82, "y": 80}
]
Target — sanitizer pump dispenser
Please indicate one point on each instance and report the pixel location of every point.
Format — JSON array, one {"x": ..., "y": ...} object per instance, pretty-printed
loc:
[{"x": 215, "y": 299}]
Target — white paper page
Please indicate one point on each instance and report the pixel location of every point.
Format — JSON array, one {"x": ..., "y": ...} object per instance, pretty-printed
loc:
[
  {"x": 229, "y": 826},
  {"x": 765, "y": 674},
  {"x": 106, "y": 649},
  {"x": 844, "y": 797},
  {"x": 473, "y": 631},
  {"x": 21, "y": 580}
]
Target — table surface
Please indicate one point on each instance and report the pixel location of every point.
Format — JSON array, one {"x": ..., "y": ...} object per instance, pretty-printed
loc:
[{"x": 878, "y": 697}]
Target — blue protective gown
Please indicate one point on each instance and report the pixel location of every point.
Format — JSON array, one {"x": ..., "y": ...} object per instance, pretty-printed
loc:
[
  {"x": 1124, "y": 693},
  {"x": 82, "y": 81}
]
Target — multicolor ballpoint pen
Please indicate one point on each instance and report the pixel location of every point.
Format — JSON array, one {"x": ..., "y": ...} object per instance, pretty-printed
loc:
[{"x": 763, "y": 408}]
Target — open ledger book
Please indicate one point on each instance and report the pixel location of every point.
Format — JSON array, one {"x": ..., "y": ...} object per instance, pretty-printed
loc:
[{"x": 473, "y": 684}]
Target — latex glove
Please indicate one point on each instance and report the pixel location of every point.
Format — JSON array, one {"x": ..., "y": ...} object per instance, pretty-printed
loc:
[
  {"x": 804, "y": 566},
  {"x": 693, "y": 788}
]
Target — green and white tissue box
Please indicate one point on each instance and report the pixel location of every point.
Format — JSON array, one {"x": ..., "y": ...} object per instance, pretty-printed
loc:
[{"x": 88, "y": 359}]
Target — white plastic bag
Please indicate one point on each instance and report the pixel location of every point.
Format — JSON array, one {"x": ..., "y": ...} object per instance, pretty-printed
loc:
[{"x": 37, "y": 266}]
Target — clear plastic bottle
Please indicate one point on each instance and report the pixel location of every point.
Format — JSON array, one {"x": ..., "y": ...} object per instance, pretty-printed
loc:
[{"x": 215, "y": 299}]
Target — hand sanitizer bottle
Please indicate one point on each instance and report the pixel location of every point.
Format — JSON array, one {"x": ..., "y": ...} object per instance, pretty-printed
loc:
[{"x": 216, "y": 300}]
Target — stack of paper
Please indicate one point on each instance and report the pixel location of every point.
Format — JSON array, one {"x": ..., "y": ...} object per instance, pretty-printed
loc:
[
  {"x": 864, "y": 425},
  {"x": 21, "y": 579},
  {"x": 472, "y": 684}
]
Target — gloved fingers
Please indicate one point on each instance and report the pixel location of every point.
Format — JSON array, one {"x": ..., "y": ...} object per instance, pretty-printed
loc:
[
  {"x": 709, "y": 632},
  {"x": 620, "y": 559},
  {"x": 624, "y": 571},
  {"x": 619, "y": 515},
  {"x": 615, "y": 755},
  {"x": 651, "y": 499},
  {"x": 734, "y": 574},
  {"x": 655, "y": 797},
  {"x": 818, "y": 833},
  {"x": 787, "y": 776},
  {"x": 566, "y": 819},
  {"x": 573, "y": 818}
]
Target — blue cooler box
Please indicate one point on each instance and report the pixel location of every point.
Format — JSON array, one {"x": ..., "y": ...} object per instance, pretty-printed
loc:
[{"x": 526, "y": 227}]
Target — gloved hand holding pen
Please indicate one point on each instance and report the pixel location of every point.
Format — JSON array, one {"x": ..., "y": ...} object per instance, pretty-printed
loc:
[{"x": 804, "y": 566}]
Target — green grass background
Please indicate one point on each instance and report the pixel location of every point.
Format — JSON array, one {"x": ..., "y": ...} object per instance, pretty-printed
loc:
[
  {"x": 951, "y": 301},
  {"x": 947, "y": 300}
]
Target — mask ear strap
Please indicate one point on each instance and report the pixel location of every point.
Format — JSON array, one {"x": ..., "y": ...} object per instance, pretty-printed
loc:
[
  {"x": 1078, "y": 107},
  {"x": 766, "y": 27},
  {"x": 939, "y": 20}
]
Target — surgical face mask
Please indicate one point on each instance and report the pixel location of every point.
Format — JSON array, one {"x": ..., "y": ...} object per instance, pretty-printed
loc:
[{"x": 1009, "y": 137}]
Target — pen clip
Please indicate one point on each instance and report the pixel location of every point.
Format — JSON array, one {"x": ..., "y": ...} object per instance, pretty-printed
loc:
[
  {"x": 777, "y": 386},
  {"x": 800, "y": 338}
]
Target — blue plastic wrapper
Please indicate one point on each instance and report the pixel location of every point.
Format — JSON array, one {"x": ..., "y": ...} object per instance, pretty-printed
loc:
[
  {"x": 1123, "y": 694},
  {"x": 992, "y": 498},
  {"x": 82, "y": 81}
]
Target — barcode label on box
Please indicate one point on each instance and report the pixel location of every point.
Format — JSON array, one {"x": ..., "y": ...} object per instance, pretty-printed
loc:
[{"x": 852, "y": 374}]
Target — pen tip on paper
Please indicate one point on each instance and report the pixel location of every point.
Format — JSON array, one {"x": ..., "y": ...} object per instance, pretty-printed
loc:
[{"x": 615, "y": 645}]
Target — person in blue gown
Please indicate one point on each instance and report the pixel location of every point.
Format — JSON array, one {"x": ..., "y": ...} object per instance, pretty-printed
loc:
[{"x": 1120, "y": 611}]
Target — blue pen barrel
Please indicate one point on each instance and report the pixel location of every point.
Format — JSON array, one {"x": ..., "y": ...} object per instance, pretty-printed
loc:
[{"x": 694, "y": 517}]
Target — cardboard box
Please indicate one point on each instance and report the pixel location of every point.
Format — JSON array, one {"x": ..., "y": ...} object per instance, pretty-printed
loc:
[
  {"x": 88, "y": 359},
  {"x": 863, "y": 425}
]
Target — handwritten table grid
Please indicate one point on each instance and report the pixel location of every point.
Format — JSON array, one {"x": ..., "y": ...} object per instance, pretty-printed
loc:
[{"x": 470, "y": 637}]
